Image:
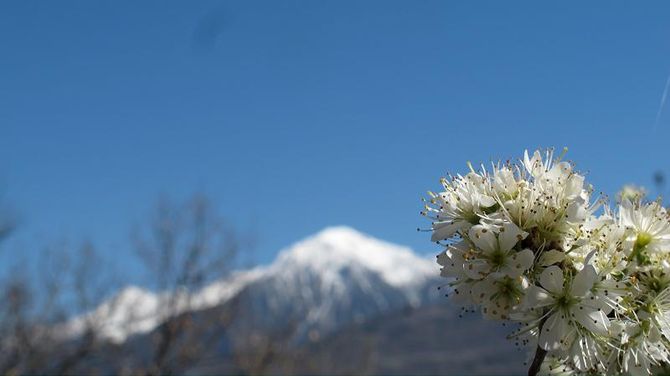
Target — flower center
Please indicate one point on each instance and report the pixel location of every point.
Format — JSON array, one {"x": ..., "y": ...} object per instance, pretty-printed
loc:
[
  {"x": 508, "y": 289},
  {"x": 565, "y": 301},
  {"x": 643, "y": 239},
  {"x": 497, "y": 259},
  {"x": 641, "y": 242}
]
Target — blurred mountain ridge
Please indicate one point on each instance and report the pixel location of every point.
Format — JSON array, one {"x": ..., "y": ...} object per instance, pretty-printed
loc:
[
  {"x": 335, "y": 270},
  {"x": 337, "y": 302}
]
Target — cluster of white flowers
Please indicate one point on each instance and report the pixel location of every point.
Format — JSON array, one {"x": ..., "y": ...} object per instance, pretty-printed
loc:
[{"x": 588, "y": 285}]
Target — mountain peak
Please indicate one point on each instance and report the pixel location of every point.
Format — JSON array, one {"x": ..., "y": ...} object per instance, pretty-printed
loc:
[
  {"x": 342, "y": 246},
  {"x": 336, "y": 233}
]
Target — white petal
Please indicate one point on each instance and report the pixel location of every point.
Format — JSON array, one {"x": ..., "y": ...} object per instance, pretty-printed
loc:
[
  {"x": 585, "y": 353},
  {"x": 446, "y": 230},
  {"x": 482, "y": 291},
  {"x": 518, "y": 262},
  {"x": 574, "y": 186},
  {"x": 537, "y": 297},
  {"x": 636, "y": 367},
  {"x": 552, "y": 279},
  {"x": 483, "y": 238},
  {"x": 453, "y": 270},
  {"x": 664, "y": 325},
  {"x": 551, "y": 257},
  {"x": 450, "y": 255},
  {"x": 599, "y": 301},
  {"x": 583, "y": 281},
  {"x": 452, "y": 263},
  {"x": 443, "y": 258},
  {"x": 477, "y": 269},
  {"x": 526, "y": 160},
  {"x": 560, "y": 169},
  {"x": 509, "y": 235},
  {"x": 654, "y": 334},
  {"x": 486, "y": 201},
  {"x": 576, "y": 212},
  {"x": 533, "y": 165},
  {"x": 496, "y": 309},
  {"x": 614, "y": 288},
  {"x": 595, "y": 321},
  {"x": 554, "y": 330}
]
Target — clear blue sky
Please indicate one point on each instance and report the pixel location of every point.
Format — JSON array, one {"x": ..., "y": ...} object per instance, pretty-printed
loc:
[{"x": 294, "y": 116}]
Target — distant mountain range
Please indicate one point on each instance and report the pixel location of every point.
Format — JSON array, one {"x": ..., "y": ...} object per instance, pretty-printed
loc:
[{"x": 337, "y": 295}]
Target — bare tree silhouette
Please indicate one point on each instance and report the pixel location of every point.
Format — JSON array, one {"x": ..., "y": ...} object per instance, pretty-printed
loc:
[{"x": 183, "y": 247}]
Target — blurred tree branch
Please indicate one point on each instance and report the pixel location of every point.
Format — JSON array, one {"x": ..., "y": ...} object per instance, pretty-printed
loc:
[{"x": 183, "y": 247}]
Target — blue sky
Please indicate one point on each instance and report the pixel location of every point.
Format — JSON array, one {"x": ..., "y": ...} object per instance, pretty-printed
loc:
[{"x": 293, "y": 116}]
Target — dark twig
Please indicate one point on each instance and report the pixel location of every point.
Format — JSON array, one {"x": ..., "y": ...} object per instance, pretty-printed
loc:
[{"x": 540, "y": 354}]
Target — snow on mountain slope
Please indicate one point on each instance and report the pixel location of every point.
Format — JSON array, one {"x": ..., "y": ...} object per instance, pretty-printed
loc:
[
  {"x": 334, "y": 277},
  {"x": 136, "y": 311},
  {"x": 335, "y": 248}
]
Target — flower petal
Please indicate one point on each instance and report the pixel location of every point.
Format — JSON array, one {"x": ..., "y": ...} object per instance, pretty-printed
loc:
[
  {"x": 477, "y": 268},
  {"x": 537, "y": 297},
  {"x": 446, "y": 230},
  {"x": 585, "y": 353},
  {"x": 482, "y": 291},
  {"x": 509, "y": 235},
  {"x": 593, "y": 320},
  {"x": 518, "y": 262},
  {"x": 483, "y": 238},
  {"x": 486, "y": 201},
  {"x": 551, "y": 257},
  {"x": 552, "y": 279},
  {"x": 583, "y": 281},
  {"x": 554, "y": 332},
  {"x": 454, "y": 253},
  {"x": 497, "y": 309},
  {"x": 664, "y": 325}
]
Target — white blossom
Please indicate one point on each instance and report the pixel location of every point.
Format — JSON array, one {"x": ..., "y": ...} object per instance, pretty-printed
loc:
[{"x": 588, "y": 285}]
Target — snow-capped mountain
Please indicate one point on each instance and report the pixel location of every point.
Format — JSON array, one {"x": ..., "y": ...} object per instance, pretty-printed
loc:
[
  {"x": 333, "y": 278},
  {"x": 135, "y": 310},
  {"x": 339, "y": 276}
]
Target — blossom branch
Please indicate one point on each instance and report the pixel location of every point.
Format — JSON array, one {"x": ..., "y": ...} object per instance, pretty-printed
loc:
[{"x": 601, "y": 288}]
